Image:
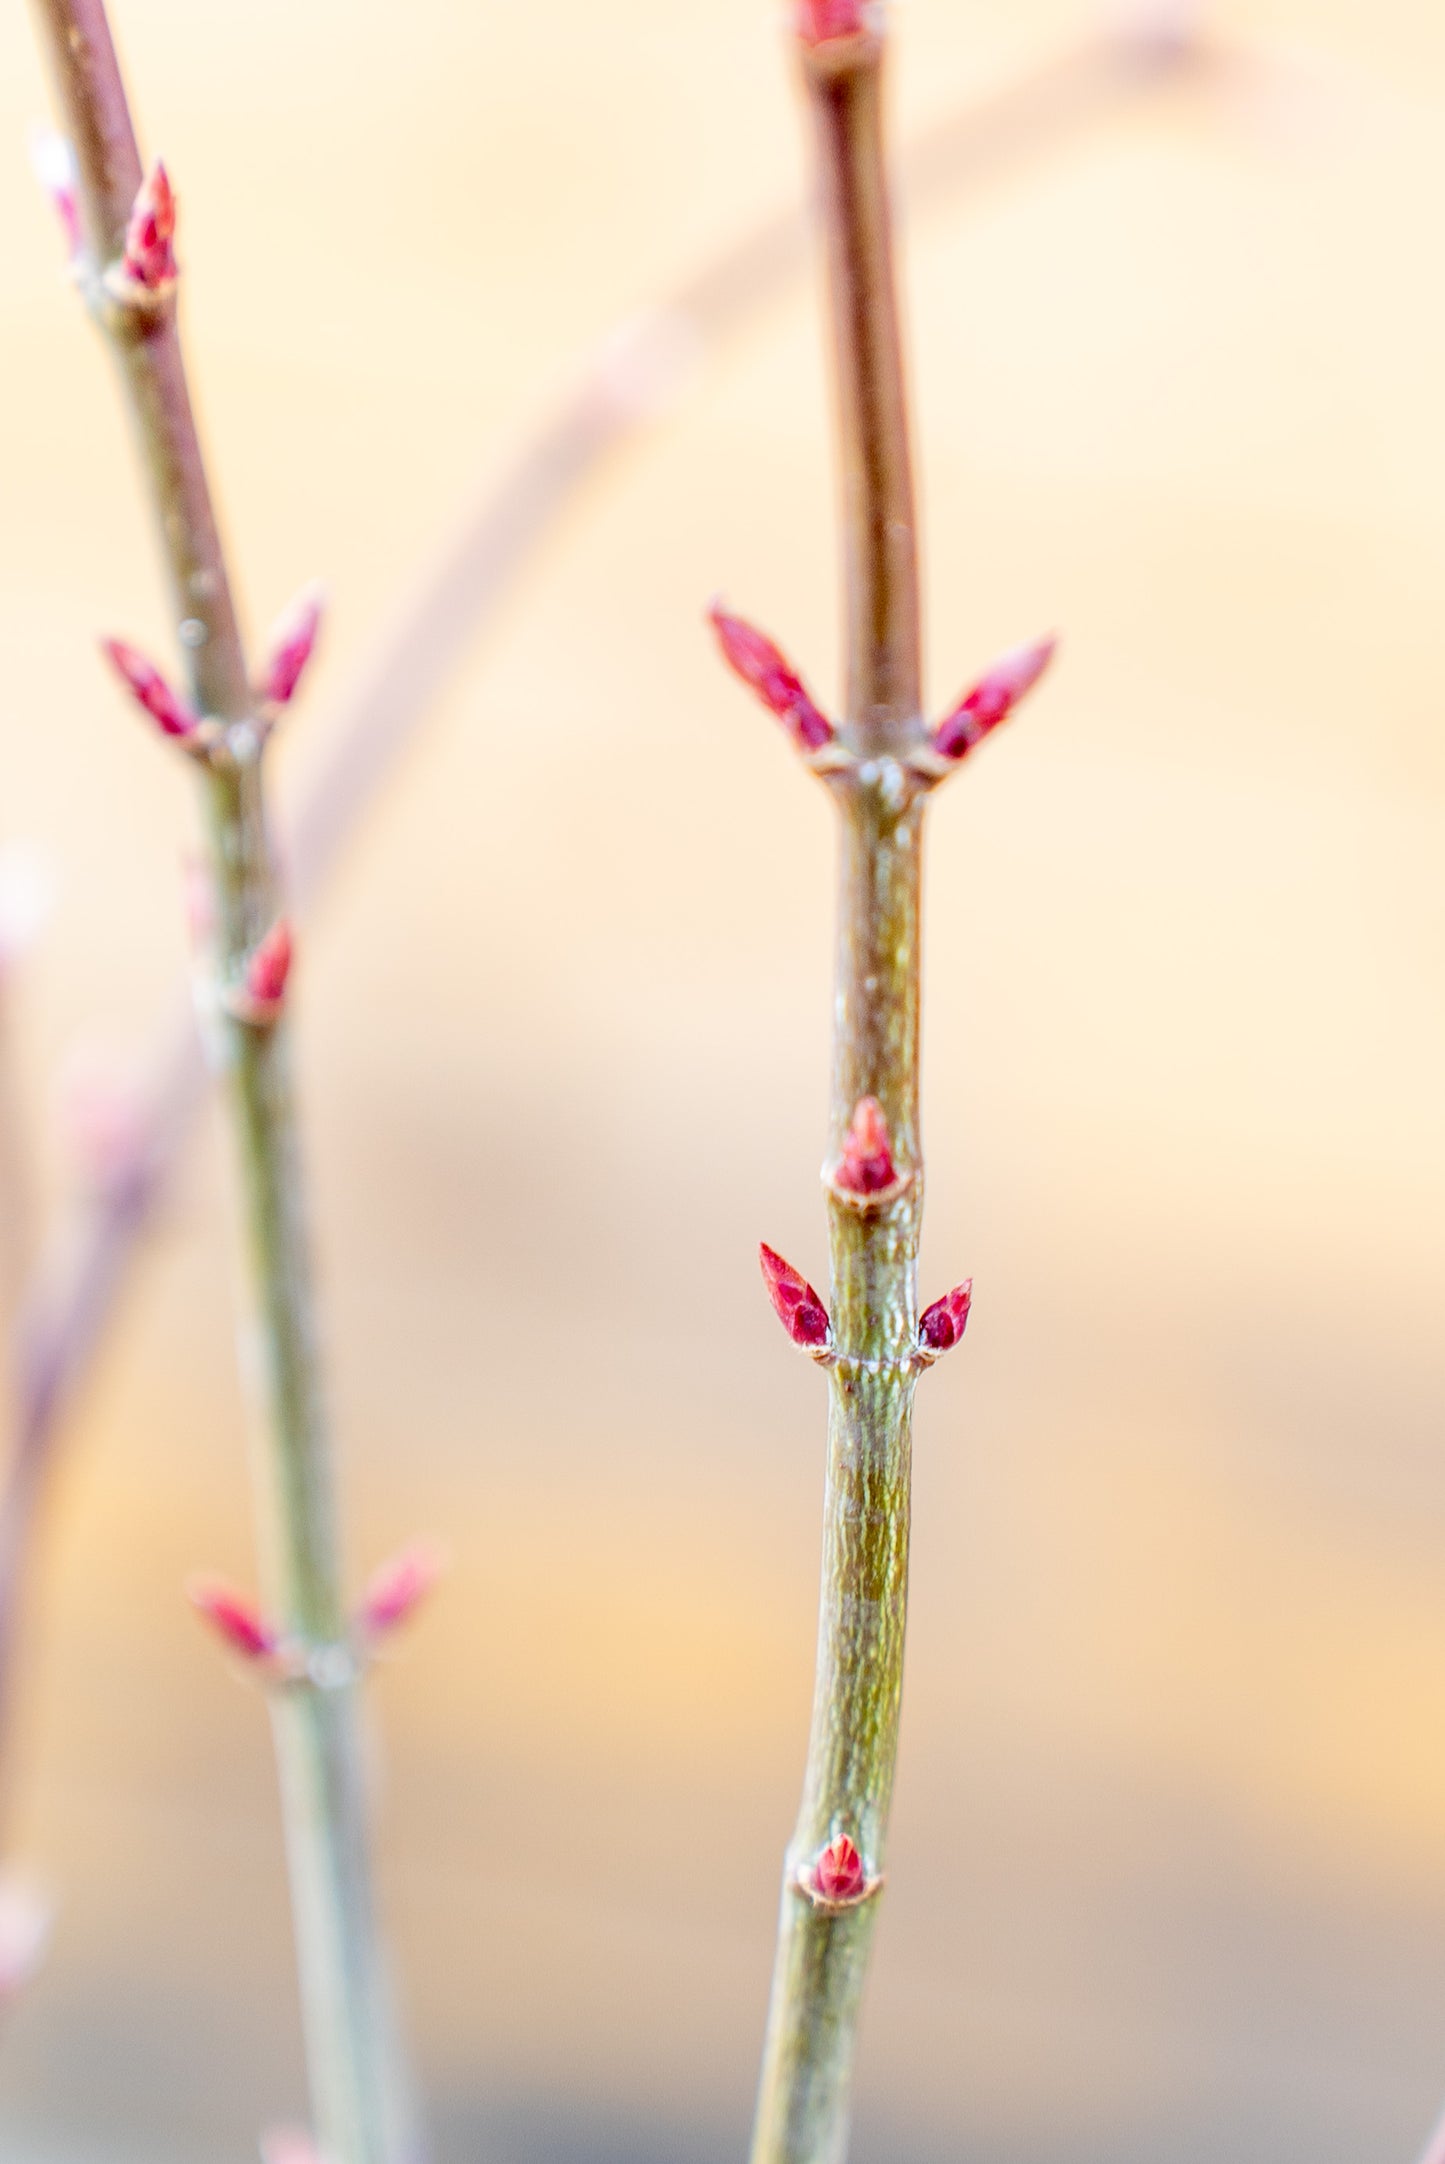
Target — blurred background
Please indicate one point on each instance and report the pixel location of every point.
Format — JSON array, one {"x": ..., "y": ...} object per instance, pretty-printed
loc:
[{"x": 1168, "y": 1868}]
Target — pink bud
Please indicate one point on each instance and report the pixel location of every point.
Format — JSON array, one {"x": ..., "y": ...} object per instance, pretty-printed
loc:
[
  {"x": 270, "y": 966},
  {"x": 838, "y": 1873},
  {"x": 818, "y": 21},
  {"x": 149, "y": 688},
  {"x": 292, "y": 640},
  {"x": 234, "y": 1619},
  {"x": 766, "y": 671},
  {"x": 799, "y": 1310},
  {"x": 866, "y": 1165},
  {"x": 54, "y": 163},
  {"x": 942, "y": 1325},
  {"x": 148, "y": 258},
  {"x": 398, "y": 1588},
  {"x": 992, "y": 699}
]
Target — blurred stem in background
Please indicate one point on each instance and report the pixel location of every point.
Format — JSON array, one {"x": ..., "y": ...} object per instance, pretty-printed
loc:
[
  {"x": 879, "y": 764},
  {"x": 121, "y": 223}
]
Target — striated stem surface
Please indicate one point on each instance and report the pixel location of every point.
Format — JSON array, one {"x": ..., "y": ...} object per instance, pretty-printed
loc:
[
  {"x": 802, "y": 2115},
  {"x": 358, "y": 2092}
]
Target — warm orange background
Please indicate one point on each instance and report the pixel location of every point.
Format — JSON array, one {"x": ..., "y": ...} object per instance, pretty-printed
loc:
[{"x": 1168, "y": 1877}]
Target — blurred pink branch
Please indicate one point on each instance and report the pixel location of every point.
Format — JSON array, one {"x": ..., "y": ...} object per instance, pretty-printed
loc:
[{"x": 637, "y": 374}]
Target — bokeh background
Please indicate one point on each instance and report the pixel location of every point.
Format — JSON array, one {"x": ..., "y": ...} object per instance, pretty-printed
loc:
[{"x": 1168, "y": 1872}]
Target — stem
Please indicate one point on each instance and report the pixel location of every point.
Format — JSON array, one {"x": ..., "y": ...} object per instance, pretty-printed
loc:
[
  {"x": 822, "y": 1955},
  {"x": 358, "y": 2094}
]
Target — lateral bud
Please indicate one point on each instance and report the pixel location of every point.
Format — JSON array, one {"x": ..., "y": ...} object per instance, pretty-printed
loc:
[
  {"x": 826, "y": 22},
  {"x": 236, "y": 1621},
  {"x": 262, "y": 991},
  {"x": 798, "y": 1308},
  {"x": 293, "y": 640},
  {"x": 767, "y": 672},
  {"x": 837, "y": 1877},
  {"x": 992, "y": 699},
  {"x": 148, "y": 258},
  {"x": 941, "y": 1326},
  {"x": 865, "y": 1171},
  {"x": 397, "y": 1589},
  {"x": 172, "y": 714}
]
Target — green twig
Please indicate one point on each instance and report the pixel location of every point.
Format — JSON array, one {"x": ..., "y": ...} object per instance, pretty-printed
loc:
[{"x": 359, "y": 2095}]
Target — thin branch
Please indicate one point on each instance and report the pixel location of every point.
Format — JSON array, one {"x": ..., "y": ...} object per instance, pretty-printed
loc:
[
  {"x": 67, "y": 1306},
  {"x": 127, "y": 272}
]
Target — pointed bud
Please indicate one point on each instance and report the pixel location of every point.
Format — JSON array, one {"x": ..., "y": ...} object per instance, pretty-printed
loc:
[
  {"x": 292, "y": 639},
  {"x": 866, "y": 1165},
  {"x": 767, "y": 672},
  {"x": 838, "y": 1873},
  {"x": 992, "y": 699},
  {"x": 149, "y": 688},
  {"x": 26, "y": 1917},
  {"x": 235, "y": 1620},
  {"x": 397, "y": 1589},
  {"x": 799, "y": 1310},
  {"x": 148, "y": 258},
  {"x": 820, "y": 21},
  {"x": 53, "y": 161},
  {"x": 942, "y": 1325},
  {"x": 269, "y": 967}
]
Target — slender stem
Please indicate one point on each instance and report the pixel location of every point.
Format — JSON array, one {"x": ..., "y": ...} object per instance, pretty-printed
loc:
[
  {"x": 358, "y": 2092},
  {"x": 66, "y": 1306},
  {"x": 822, "y": 1954}
]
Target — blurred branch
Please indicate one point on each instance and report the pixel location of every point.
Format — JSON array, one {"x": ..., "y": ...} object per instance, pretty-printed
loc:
[{"x": 636, "y": 375}]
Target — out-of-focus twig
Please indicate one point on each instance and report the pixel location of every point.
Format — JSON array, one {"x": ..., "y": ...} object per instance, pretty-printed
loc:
[{"x": 636, "y": 374}]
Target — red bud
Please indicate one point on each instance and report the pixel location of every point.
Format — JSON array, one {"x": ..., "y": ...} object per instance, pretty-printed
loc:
[
  {"x": 767, "y": 672},
  {"x": 838, "y": 1873},
  {"x": 820, "y": 20},
  {"x": 149, "y": 688},
  {"x": 398, "y": 1588},
  {"x": 799, "y": 1310},
  {"x": 292, "y": 640},
  {"x": 992, "y": 699},
  {"x": 942, "y": 1325},
  {"x": 270, "y": 966},
  {"x": 866, "y": 1165},
  {"x": 148, "y": 257},
  {"x": 234, "y": 1619}
]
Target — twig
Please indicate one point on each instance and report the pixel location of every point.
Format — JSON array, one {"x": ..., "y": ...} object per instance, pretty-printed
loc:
[
  {"x": 879, "y": 765},
  {"x": 66, "y": 1307},
  {"x": 127, "y": 271}
]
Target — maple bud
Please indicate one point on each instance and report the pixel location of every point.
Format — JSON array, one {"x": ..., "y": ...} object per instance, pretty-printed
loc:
[
  {"x": 292, "y": 639},
  {"x": 148, "y": 259},
  {"x": 942, "y": 1325},
  {"x": 820, "y": 21},
  {"x": 799, "y": 1310},
  {"x": 866, "y": 1165},
  {"x": 767, "y": 672},
  {"x": 398, "y": 1587},
  {"x": 269, "y": 967},
  {"x": 149, "y": 689},
  {"x": 838, "y": 1874},
  {"x": 235, "y": 1620},
  {"x": 992, "y": 699},
  {"x": 53, "y": 161}
]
